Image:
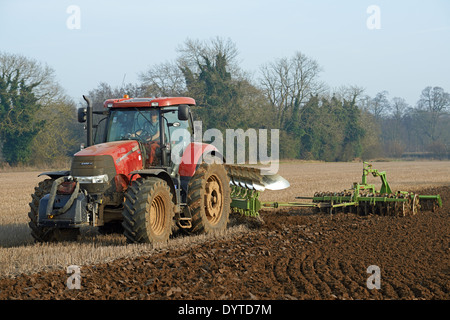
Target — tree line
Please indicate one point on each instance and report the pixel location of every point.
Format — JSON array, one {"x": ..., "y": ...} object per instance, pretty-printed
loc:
[{"x": 38, "y": 119}]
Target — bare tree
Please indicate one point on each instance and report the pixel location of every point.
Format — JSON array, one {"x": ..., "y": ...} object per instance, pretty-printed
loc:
[
  {"x": 33, "y": 74},
  {"x": 398, "y": 108},
  {"x": 165, "y": 79},
  {"x": 178, "y": 77},
  {"x": 289, "y": 82},
  {"x": 195, "y": 53},
  {"x": 379, "y": 105},
  {"x": 433, "y": 103},
  {"x": 352, "y": 94}
]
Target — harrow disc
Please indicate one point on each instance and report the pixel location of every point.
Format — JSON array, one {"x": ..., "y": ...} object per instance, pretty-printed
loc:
[
  {"x": 428, "y": 204},
  {"x": 384, "y": 204}
]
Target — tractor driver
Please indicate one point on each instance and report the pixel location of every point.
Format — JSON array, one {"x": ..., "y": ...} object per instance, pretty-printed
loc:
[
  {"x": 152, "y": 127},
  {"x": 151, "y": 130},
  {"x": 149, "y": 136}
]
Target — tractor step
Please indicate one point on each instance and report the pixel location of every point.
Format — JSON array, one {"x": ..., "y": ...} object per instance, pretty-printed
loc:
[{"x": 184, "y": 223}]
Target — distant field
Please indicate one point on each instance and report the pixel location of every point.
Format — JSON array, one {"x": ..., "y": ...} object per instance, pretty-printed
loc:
[{"x": 19, "y": 254}]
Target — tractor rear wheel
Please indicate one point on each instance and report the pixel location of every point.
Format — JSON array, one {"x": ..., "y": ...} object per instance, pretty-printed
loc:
[
  {"x": 148, "y": 211},
  {"x": 209, "y": 200}
]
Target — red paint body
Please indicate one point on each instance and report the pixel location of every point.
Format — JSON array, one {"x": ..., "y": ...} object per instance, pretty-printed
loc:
[
  {"x": 117, "y": 149},
  {"x": 191, "y": 157},
  {"x": 148, "y": 102},
  {"x": 133, "y": 161}
]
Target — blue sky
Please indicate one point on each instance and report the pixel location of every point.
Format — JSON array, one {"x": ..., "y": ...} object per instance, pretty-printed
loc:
[{"x": 119, "y": 39}]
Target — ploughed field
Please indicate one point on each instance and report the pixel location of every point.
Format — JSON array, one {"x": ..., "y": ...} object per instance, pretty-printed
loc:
[{"x": 288, "y": 254}]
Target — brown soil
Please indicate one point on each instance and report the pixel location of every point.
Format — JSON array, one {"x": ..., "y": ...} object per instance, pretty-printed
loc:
[{"x": 290, "y": 255}]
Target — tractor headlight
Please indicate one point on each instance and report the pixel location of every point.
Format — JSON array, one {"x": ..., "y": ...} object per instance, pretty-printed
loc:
[{"x": 103, "y": 178}]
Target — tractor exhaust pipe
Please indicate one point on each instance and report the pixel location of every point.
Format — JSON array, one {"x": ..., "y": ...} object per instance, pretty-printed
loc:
[{"x": 90, "y": 140}]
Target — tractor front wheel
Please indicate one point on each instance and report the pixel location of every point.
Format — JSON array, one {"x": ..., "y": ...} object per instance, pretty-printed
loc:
[
  {"x": 148, "y": 211},
  {"x": 39, "y": 234},
  {"x": 47, "y": 234}
]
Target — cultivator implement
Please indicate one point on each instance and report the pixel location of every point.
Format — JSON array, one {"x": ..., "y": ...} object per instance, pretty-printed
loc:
[
  {"x": 400, "y": 204},
  {"x": 362, "y": 198}
]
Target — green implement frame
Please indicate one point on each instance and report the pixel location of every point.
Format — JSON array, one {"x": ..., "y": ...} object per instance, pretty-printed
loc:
[
  {"x": 245, "y": 201},
  {"x": 363, "y": 198}
]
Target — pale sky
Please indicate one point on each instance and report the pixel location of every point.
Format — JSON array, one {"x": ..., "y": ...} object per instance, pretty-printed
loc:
[{"x": 409, "y": 51}]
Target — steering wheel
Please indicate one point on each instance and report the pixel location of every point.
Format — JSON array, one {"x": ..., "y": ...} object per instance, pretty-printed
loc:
[{"x": 141, "y": 134}]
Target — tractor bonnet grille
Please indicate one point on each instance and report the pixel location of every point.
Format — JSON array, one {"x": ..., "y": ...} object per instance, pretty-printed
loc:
[{"x": 92, "y": 166}]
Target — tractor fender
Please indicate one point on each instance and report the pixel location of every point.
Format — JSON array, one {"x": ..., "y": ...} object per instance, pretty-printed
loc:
[
  {"x": 55, "y": 174},
  {"x": 160, "y": 173},
  {"x": 193, "y": 155}
]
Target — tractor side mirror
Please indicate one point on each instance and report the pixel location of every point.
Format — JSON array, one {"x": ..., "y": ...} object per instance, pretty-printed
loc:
[
  {"x": 183, "y": 112},
  {"x": 82, "y": 114}
]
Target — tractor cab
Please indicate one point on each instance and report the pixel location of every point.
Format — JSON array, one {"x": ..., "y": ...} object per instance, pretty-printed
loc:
[
  {"x": 153, "y": 128},
  {"x": 152, "y": 122}
]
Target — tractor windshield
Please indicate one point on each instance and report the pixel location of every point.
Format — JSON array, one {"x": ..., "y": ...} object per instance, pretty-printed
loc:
[{"x": 138, "y": 124}]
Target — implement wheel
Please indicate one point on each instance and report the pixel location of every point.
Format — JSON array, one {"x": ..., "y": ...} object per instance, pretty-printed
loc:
[
  {"x": 148, "y": 211},
  {"x": 209, "y": 199}
]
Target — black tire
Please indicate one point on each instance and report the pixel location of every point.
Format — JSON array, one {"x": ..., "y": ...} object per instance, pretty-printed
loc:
[
  {"x": 148, "y": 211},
  {"x": 111, "y": 228},
  {"x": 46, "y": 234},
  {"x": 209, "y": 199}
]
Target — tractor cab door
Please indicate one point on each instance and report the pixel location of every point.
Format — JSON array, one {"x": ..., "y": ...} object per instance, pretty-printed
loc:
[{"x": 177, "y": 135}]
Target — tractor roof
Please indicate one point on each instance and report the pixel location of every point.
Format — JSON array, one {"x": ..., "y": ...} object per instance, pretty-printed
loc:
[{"x": 147, "y": 102}]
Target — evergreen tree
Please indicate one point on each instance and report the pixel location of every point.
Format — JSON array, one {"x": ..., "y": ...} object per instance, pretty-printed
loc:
[
  {"x": 18, "y": 127},
  {"x": 353, "y": 132}
]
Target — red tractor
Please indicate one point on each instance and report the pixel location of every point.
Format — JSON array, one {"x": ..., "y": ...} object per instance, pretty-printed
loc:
[{"x": 128, "y": 181}]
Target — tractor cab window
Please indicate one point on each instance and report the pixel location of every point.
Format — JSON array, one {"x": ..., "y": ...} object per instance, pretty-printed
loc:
[
  {"x": 143, "y": 125},
  {"x": 173, "y": 124},
  {"x": 176, "y": 130},
  {"x": 130, "y": 123}
]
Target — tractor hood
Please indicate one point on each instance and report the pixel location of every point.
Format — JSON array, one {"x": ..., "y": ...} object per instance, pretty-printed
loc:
[{"x": 126, "y": 155}]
